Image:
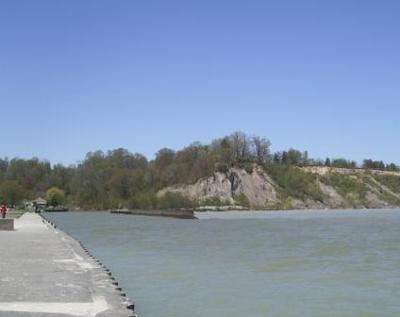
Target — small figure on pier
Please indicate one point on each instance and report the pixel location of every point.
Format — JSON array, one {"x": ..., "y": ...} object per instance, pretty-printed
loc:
[{"x": 3, "y": 211}]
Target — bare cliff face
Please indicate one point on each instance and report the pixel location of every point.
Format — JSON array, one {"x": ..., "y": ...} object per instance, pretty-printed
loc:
[
  {"x": 257, "y": 187},
  {"x": 331, "y": 188}
]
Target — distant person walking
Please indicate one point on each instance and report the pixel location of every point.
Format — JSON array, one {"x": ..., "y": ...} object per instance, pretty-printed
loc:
[{"x": 3, "y": 211}]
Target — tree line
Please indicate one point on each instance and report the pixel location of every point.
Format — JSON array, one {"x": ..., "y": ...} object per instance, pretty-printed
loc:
[{"x": 121, "y": 179}]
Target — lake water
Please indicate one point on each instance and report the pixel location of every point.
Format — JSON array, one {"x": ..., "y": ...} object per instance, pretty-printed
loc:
[{"x": 300, "y": 263}]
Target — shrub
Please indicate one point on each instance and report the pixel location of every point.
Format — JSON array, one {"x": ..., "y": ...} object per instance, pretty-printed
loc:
[
  {"x": 389, "y": 198},
  {"x": 242, "y": 200},
  {"x": 349, "y": 187},
  {"x": 294, "y": 182},
  {"x": 143, "y": 200},
  {"x": 248, "y": 168},
  {"x": 390, "y": 181},
  {"x": 221, "y": 167},
  {"x": 284, "y": 204},
  {"x": 172, "y": 200},
  {"x": 55, "y": 196},
  {"x": 214, "y": 201}
]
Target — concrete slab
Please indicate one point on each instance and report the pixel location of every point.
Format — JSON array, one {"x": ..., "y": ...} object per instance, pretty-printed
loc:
[
  {"x": 6, "y": 224},
  {"x": 44, "y": 272}
]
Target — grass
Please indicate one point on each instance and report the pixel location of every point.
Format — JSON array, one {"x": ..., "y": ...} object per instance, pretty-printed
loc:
[
  {"x": 294, "y": 182},
  {"x": 383, "y": 194},
  {"x": 390, "y": 181},
  {"x": 390, "y": 198},
  {"x": 352, "y": 189}
]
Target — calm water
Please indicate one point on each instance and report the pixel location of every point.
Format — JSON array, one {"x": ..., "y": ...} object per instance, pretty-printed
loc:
[{"x": 336, "y": 263}]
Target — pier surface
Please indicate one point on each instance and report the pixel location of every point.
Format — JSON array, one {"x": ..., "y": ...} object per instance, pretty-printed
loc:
[{"x": 44, "y": 272}]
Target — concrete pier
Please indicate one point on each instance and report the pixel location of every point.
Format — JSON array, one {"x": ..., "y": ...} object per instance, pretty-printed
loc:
[
  {"x": 44, "y": 272},
  {"x": 7, "y": 224}
]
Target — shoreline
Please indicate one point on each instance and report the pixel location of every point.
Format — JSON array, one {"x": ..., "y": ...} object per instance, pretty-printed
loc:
[{"x": 292, "y": 213}]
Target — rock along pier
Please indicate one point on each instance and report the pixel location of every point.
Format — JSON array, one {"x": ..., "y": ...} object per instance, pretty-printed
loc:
[{"x": 45, "y": 272}]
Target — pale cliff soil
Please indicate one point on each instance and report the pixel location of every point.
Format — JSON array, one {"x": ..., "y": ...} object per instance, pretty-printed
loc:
[
  {"x": 263, "y": 193},
  {"x": 323, "y": 170}
]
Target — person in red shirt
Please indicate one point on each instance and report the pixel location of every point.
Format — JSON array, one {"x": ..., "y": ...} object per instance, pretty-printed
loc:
[{"x": 3, "y": 211}]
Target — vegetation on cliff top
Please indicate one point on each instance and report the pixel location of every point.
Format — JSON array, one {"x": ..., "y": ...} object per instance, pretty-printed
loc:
[{"x": 121, "y": 179}]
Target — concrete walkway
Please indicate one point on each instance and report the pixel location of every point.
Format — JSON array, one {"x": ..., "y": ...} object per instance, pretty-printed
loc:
[{"x": 44, "y": 272}]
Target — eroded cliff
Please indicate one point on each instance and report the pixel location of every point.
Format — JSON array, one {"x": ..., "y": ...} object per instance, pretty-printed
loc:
[{"x": 295, "y": 188}]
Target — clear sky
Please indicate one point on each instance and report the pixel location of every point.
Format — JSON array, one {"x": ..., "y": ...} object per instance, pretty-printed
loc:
[{"x": 77, "y": 76}]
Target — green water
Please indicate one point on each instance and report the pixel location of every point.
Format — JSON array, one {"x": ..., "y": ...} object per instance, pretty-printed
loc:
[{"x": 301, "y": 263}]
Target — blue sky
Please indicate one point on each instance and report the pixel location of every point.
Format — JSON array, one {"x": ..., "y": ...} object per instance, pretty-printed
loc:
[{"x": 77, "y": 76}]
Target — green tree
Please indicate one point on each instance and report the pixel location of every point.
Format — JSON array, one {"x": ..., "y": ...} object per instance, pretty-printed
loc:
[
  {"x": 261, "y": 148},
  {"x": 327, "y": 162},
  {"x": 11, "y": 192},
  {"x": 55, "y": 196},
  {"x": 294, "y": 157}
]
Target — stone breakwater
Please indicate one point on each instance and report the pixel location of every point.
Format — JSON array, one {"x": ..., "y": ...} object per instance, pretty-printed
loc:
[
  {"x": 43, "y": 271},
  {"x": 174, "y": 213}
]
